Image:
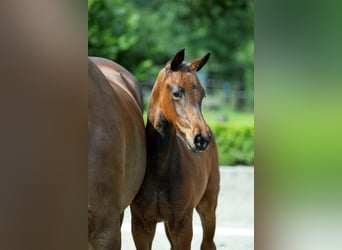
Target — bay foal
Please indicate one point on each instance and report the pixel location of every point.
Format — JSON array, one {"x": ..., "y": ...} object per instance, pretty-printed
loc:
[{"x": 182, "y": 163}]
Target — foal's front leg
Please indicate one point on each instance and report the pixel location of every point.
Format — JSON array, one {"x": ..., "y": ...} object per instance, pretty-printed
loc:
[
  {"x": 206, "y": 209},
  {"x": 179, "y": 232},
  {"x": 143, "y": 232}
]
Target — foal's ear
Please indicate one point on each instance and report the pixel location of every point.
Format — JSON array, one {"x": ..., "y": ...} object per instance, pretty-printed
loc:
[
  {"x": 197, "y": 64},
  {"x": 177, "y": 60}
]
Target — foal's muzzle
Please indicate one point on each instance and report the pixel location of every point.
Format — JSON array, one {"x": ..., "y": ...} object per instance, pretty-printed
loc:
[{"x": 201, "y": 142}]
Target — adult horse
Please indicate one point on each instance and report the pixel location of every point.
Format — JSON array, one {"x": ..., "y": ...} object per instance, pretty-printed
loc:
[
  {"x": 116, "y": 74},
  {"x": 182, "y": 164},
  {"x": 116, "y": 150}
]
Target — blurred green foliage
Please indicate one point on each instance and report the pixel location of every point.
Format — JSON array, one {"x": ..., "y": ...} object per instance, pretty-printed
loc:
[
  {"x": 235, "y": 143},
  {"x": 143, "y": 35}
]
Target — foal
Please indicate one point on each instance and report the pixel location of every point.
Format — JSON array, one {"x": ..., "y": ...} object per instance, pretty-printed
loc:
[{"x": 182, "y": 163}]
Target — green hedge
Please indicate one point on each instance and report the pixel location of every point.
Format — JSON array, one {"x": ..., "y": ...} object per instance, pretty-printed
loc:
[{"x": 235, "y": 143}]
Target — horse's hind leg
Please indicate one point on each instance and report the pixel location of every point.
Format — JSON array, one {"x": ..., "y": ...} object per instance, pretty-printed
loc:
[
  {"x": 107, "y": 235},
  {"x": 206, "y": 209}
]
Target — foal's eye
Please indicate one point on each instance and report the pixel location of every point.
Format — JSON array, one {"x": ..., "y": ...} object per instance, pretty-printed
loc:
[{"x": 177, "y": 95}]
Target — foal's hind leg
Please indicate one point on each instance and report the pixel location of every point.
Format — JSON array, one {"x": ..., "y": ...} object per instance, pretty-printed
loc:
[{"x": 206, "y": 209}]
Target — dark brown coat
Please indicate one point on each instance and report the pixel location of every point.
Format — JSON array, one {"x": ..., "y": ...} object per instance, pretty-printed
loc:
[{"x": 116, "y": 150}]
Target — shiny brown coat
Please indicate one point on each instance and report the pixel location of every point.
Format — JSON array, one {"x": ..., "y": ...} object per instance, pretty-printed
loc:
[
  {"x": 116, "y": 150},
  {"x": 182, "y": 162}
]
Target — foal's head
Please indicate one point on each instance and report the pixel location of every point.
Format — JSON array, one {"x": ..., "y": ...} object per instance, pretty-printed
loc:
[{"x": 176, "y": 101}]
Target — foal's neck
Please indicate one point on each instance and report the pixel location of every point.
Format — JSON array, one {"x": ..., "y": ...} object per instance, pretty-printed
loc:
[{"x": 163, "y": 152}]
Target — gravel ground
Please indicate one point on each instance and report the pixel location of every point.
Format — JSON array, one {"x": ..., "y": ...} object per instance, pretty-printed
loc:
[{"x": 235, "y": 215}]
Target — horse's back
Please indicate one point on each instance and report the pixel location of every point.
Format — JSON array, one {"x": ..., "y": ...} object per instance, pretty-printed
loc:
[{"x": 118, "y": 75}]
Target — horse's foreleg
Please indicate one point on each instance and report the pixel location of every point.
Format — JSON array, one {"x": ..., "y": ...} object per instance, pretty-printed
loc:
[
  {"x": 143, "y": 232},
  {"x": 206, "y": 209},
  {"x": 179, "y": 232},
  {"x": 208, "y": 219},
  {"x": 167, "y": 231}
]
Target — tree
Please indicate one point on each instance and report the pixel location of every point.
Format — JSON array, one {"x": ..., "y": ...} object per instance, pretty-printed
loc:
[{"x": 142, "y": 35}]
